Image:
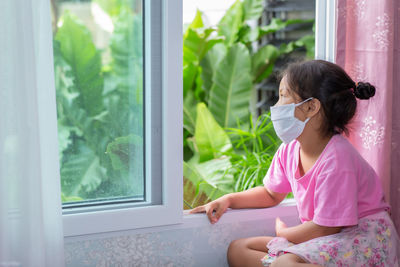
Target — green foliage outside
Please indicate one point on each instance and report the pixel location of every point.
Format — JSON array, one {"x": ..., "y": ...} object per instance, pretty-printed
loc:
[
  {"x": 224, "y": 149},
  {"x": 99, "y": 106}
]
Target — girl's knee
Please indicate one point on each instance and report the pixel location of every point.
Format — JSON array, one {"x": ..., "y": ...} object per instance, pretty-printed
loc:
[
  {"x": 234, "y": 250},
  {"x": 239, "y": 245},
  {"x": 241, "y": 251}
]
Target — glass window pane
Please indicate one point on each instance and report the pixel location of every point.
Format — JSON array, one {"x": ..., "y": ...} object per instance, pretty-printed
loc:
[{"x": 98, "y": 57}]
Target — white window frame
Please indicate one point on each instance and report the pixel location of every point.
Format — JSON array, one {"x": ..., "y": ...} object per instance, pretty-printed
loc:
[
  {"x": 170, "y": 212},
  {"x": 325, "y": 30}
]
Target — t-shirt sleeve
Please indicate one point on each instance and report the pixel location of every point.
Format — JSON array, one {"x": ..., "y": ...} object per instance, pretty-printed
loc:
[
  {"x": 335, "y": 199},
  {"x": 276, "y": 179}
]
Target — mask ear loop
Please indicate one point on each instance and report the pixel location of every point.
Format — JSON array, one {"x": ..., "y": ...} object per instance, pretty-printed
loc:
[{"x": 302, "y": 102}]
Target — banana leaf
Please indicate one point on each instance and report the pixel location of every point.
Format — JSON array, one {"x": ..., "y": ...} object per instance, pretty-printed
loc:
[
  {"x": 263, "y": 62},
  {"x": 211, "y": 140},
  {"x": 231, "y": 90},
  {"x": 197, "y": 22},
  {"x": 209, "y": 66},
  {"x": 253, "y": 9},
  {"x": 230, "y": 24},
  {"x": 81, "y": 172},
  {"x": 199, "y": 42},
  {"x": 204, "y": 182},
  {"x": 78, "y": 50},
  {"x": 189, "y": 112}
]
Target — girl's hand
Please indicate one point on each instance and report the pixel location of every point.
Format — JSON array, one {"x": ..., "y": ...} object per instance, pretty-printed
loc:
[
  {"x": 279, "y": 226},
  {"x": 214, "y": 209}
]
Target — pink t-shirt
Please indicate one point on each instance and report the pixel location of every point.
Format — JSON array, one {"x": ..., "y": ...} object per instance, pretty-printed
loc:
[{"x": 339, "y": 189}]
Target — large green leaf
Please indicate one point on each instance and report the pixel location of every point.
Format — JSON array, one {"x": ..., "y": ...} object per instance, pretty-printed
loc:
[
  {"x": 210, "y": 64},
  {"x": 204, "y": 182},
  {"x": 124, "y": 99},
  {"x": 64, "y": 140},
  {"x": 190, "y": 72},
  {"x": 211, "y": 139},
  {"x": 124, "y": 150},
  {"x": 253, "y": 9},
  {"x": 126, "y": 45},
  {"x": 77, "y": 120},
  {"x": 192, "y": 197},
  {"x": 248, "y": 34},
  {"x": 62, "y": 83},
  {"x": 74, "y": 121},
  {"x": 189, "y": 112},
  {"x": 126, "y": 154},
  {"x": 75, "y": 126},
  {"x": 307, "y": 41},
  {"x": 263, "y": 62},
  {"x": 217, "y": 173},
  {"x": 199, "y": 42},
  {"x": 231, "y": 23},
  {"x": 196, "y": 45},
  {"x": 78, "y": 50},
  {"x": 197, "y": 22},
  {"x": 81, "y": 172},
  {"x": 188, "y": 56},
  {"x": 198, "y": 90},
  {"x": 231, "y": 89}
]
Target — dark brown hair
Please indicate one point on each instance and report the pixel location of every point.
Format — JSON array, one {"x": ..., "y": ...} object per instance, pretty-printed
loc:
[{"x": 332, "y": 86}]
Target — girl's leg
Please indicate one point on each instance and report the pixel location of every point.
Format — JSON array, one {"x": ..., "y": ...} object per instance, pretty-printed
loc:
[
  {"x": 248, "y": 251},
  {"x": 291, "y": 260}
]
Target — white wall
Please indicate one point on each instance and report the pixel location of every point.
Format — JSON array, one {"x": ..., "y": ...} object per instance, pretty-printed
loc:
[{"x": 194, "y": 243}]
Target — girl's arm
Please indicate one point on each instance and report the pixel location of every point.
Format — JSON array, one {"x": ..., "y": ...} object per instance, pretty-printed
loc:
[
  {"x": 303, "y": 232},
  {"x": 258, "y": 197}
]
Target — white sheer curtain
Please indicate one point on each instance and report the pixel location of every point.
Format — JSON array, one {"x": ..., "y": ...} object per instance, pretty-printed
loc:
[{"x": 30, "y": 202}]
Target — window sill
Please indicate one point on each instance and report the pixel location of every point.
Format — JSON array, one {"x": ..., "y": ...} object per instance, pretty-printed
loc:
[{"x": 285, "y": 209}]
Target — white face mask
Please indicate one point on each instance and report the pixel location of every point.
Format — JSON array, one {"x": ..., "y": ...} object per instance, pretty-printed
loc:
[{"x": 286, "y": 125}]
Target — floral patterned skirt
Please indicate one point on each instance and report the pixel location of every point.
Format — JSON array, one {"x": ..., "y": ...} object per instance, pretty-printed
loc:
[{"x": 373, "y": 242}]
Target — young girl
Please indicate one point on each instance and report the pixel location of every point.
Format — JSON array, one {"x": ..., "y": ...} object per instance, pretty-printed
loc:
[{"x": 345, "y": 220}]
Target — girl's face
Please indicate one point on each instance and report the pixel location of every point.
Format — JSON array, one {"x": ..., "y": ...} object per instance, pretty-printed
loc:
[{"x": 287, "y": 96}]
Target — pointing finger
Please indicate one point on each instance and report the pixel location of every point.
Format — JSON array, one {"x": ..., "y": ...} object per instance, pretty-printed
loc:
[{"x": 197, "y": 210}]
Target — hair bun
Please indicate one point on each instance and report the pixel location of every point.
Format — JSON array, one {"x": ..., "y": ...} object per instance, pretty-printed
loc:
[{"x": 364, "y": 90}]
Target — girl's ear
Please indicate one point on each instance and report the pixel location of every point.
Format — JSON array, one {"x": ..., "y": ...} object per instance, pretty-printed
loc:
[{"x": 313, "y": 107}]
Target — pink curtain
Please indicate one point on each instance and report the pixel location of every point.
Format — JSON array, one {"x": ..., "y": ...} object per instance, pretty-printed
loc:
[{"x": 368, "y": 49}]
